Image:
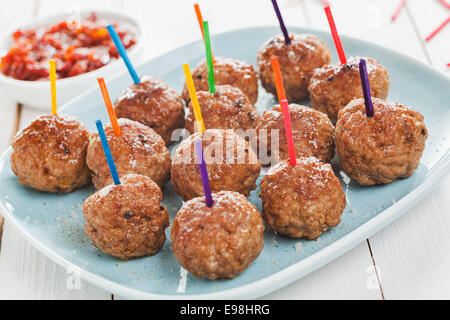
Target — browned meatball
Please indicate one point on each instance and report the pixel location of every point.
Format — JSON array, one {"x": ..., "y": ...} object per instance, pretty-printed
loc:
[
  {"x": 382, "y": 148},
  {"x": 50, "y": 154},
  {"x": 219, "y": 241},
  {"x": 297, "y": 62},
  {"x": 229, "y": 71},
  {"x": 153, "y": 103},
  {"x": 312, "y": 133},
  {"x": 232, "y": 164},
  {"x": 228, "y": 108},
  {"x": 302, "y": 201},
  {"x": 332, "y": 87},
  {"x": 138, "y": 150},
  {"x": 127, "y": 220}
]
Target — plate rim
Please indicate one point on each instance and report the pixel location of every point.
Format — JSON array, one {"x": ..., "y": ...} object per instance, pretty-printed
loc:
[{"x": 289, "y": 274}]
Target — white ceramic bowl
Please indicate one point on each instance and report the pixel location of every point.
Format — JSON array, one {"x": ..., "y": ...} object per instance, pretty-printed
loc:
[{"x": 37, "y": 93}]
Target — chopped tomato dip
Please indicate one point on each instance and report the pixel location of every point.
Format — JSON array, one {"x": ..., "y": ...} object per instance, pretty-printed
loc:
[{"x": 77, "y": 47}]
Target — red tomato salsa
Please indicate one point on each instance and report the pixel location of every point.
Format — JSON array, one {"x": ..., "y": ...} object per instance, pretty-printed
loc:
[{"x": 76, "y": 47}]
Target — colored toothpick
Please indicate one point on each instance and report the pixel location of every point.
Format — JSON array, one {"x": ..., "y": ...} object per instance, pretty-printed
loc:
[
  {"x": 287, "y": 40},
  {"x": 398, "y": 9},
  {"x": 107, "y": 151},
  {"x": 336, "y": 39},
  {"x": 109, "y": 107},
  {"x": 439, "y": 28},
  {"x": 365, "y": 87},
  {"x": 198, "y": 13},
  {"x": 288, "y": 129},
  {"x": 194, "y": 100},
  {"x": 209, "y": 61},
  {"x": 123, "y": 53},
  {"x": 52, "y": 74},
  {"x": 203, "y": 172},
  {"x": 278, "y": 80}
]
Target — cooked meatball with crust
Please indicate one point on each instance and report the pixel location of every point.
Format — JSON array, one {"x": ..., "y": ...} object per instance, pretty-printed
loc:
[
  {"x": 220, "y": 241},
  {"x": 302, "y": 201},
  {"x": 153, "y": 103},
  {"x": 382, "y": 148},
  {"x": 312, "y": 133},
  {"x": 138, "y": 150},
  {"x": 127, "y": 220},
  {"x": 50, "y": 154},
  {"x": 228, "y": 108},
  {"x": 297, "y": 60},
  {"x": 332, "y": 87},
  {"x": 232, "y": 164},
  {"x": 229, "y": 71}
]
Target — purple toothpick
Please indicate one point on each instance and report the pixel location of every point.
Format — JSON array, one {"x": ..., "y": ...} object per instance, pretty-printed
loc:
[
  {"x": 287, "y": 40},
  {"x": 203, "y": 172},
  {"x": 365, "y": 87}
]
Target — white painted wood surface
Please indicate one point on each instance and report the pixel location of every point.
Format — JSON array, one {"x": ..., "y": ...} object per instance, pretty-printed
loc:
[{"x": 411, "y": 255}]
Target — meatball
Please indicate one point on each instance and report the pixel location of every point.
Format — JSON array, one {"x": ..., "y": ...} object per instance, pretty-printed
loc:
[
  {"x": 230, "y": 71},
  {"x": 228, "y": 108},
  {"x": 232, "y": 164},
  {"x": 138, "y": 150},
  {"x": 220, "y": 241},
  {"x": 382, "y": 148},
  {"x": 332, "y": 87},
  {"x": 127, "y": 220},
  {"x": 153, "y": 103},
  {"x": 312, "y": 133},
  {"x": 50, "y": 154},
  {"x": 297, "y": 62},
  {"x": 302, "y": 201}
]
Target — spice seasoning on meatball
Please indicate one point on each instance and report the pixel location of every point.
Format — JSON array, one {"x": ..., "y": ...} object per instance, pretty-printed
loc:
[
  {"x": 50, "y": 154},
  {"x": 231, "y": 162},
  {"x": 153, "y": 103},
  {"x": 138, "y": 150},
  {"x": 220, "y": 241},
  {"x": 127, "y": 220},
  {"x": 228, "y": 108},
  {"x": 302, "y": 201},
  {"x": 297, "y": 61},
  {"x": 229, "y": 71},
  {"x": 332, "y": 87},
  {"x": 382, "y": 148},
  {"x": 312, "y": 133}
]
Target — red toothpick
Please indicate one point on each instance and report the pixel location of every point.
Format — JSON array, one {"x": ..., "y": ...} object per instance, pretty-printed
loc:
[
  {"x": 445, "y": 3},
  {"x": 448, "y": 65},
  {"x": 399, "y": 8},
  {"x": 288, "y": 129},
  {"x": 441, "y": 26},
  {"x": 334, "y": 33}
]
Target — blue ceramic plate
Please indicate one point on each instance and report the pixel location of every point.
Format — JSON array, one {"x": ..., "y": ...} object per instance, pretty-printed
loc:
[{"x": 54, "y": 223}]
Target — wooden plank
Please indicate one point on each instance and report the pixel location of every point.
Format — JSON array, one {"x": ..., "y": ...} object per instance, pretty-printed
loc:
[{"x": 351, "y": 276}]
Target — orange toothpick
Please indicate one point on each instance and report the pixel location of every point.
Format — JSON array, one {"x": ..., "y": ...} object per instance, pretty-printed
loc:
[
  {"x": 198, "y": 13},
  {"x": 109, "y": 107},
  {"x": 278, "y": 80}
]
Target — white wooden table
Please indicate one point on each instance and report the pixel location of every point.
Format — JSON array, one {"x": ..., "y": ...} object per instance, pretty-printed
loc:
[{"x": 412, "y": 255}]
